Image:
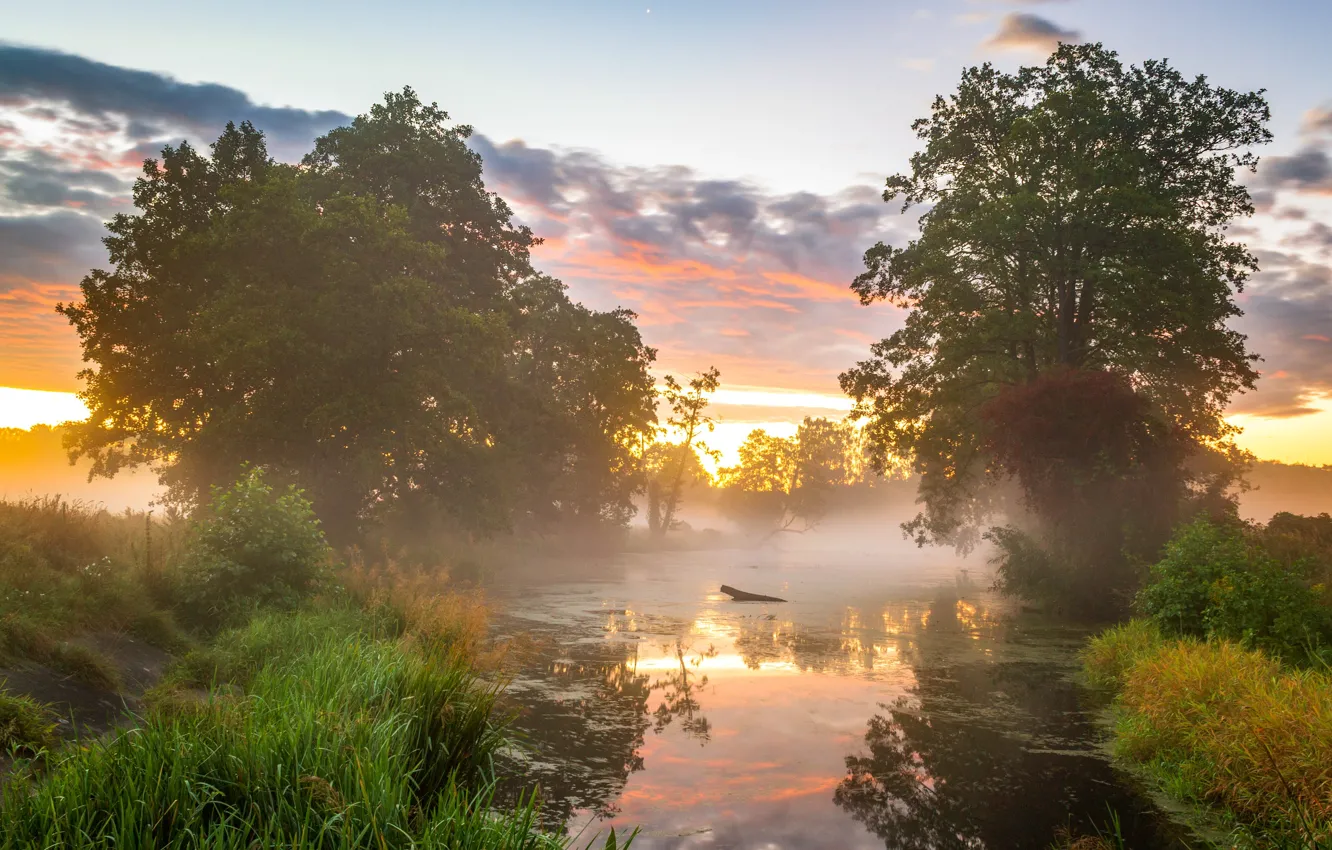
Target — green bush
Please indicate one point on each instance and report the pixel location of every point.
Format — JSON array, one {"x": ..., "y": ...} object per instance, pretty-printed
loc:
[
  {"x": 1219, "y": 581},
  {"x": 256, "y": 547}
]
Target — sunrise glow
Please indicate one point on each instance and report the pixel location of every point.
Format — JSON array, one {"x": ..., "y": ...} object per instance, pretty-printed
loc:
[{"x": 26, "y": 408}]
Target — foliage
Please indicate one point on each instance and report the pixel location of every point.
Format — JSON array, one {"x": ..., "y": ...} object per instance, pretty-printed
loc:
[
  {"x": 341, "y": 739},
  {"x": 255, "y": 547},
  {"x": 689, "y": 420},
  {"x": 785, "y": 483},
  {"x": 1229, "y": 726},
  {"x": 1076, "y": 220},
  {"x": 367, "y": 325},
  {"x": 587, "y": 404},
  {"x": 26, "y": 726},
  {"x": 1219, "y": 581}
]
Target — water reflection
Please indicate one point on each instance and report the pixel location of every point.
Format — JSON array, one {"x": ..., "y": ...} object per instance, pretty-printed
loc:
[
  {"x": 582, "y": 720},
  {"x": 987, "y": 755},
  {"x": 679, "y": 696},
  {"x": 852, "y": 717}
]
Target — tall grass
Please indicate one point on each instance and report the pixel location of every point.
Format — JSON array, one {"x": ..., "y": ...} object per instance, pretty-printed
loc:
[
  {"x": 68, "y": 566},
  {"x": 1226, "y": 725},
  {"x": 342, "y": 737}
]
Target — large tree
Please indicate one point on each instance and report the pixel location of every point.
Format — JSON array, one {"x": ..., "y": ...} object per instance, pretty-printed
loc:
[
  {"x": 368, "y": 325},
  {"x": 1075, "y": 219}
]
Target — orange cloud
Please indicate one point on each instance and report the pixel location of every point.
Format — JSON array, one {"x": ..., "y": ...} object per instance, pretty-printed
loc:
[{"x": 40, "y": 350}]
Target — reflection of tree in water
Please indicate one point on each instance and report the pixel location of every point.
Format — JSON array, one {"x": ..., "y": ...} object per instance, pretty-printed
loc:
[
  {"x": 679, "y": 696},
  {"x": 988, "y": 755},
  {"x": 581, "y": 725},
  {"x": 584, "y": 717}
]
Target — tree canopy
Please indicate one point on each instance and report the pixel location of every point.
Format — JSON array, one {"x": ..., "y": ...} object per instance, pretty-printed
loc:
[
  {"x": 367, "y": 324},
  {"x": 1075, "y": 218}
]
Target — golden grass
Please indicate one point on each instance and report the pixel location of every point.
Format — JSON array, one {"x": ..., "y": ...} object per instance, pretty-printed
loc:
[
  {"x": 435, "y": 615},
  {"x": 1110, "y": 655},
  {"x": 1231, "y": 725}
]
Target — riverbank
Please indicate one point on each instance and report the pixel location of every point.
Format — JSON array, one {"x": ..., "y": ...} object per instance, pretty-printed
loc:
[
  {"x": 1225, "y": 728},
  {"x": 309, "y": 705}
]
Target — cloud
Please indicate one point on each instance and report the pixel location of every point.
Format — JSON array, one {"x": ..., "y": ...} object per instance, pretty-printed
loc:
[
  {"x": 1317, "y": 121},
  {"x": 718, "y": 270},
  {"x": 156, "y": 104},
  {"x": 39, "y": 179},
  {"x": 1309, "y": 169},
  {"x": 1024, "y": 31},
  {"x": 48, "y": 247},
  {"x": 1318, "y": 237},
  {"x": 1288, "y": 313}
]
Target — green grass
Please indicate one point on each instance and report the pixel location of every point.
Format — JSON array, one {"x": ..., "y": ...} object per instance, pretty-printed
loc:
[
  {"x": 27, "y": 727},
  {"x": 67, "y": 568},
  {"x": 342, "y": 737},
  {"x": 1110, "y": 656},
  {"x": 1224, "y": 725}
]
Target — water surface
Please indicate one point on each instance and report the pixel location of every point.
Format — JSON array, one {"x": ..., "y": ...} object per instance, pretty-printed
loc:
[{"x": 892, "y": 702}]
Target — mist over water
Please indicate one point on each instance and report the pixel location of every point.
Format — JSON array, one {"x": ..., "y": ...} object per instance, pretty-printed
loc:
[{"x": 893, "y": 701}]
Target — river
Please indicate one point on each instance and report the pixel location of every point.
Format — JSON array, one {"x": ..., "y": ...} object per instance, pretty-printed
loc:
[{"x": 894, "y": 701}]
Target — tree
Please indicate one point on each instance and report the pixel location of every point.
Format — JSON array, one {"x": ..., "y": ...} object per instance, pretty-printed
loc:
[
  {"x": 367, "y": 326},
  {"x": 691, "y": 422},
  {"x": 1077, "y": 220},
  {"x": 785, "y": 483},
  {"x": 586, "y": 403}
]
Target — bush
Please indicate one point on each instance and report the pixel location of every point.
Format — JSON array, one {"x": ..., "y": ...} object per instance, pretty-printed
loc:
[
  {"x": 1219, "y": 581},
  {"x": 256, "y": 547},
  {"x": 1230, "y": 726}
]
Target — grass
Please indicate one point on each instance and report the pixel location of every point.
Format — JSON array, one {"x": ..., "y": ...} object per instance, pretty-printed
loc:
[
  {"x": 1110, "y": 656},
  {"x": 27, "y": 727},
  {"x": 322, "y": 730},
  {"x": 1226, "y": 725},
  {"x": 68, "y": 567}
]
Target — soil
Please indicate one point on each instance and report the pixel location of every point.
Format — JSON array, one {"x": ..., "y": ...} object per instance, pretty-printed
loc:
[{"x": 82, "y": 709}]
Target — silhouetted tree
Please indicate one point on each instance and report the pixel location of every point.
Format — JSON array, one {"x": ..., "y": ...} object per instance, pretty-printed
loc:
[
  {"x": 785, "y": 483},
  {"x": 681, "y": 462}
]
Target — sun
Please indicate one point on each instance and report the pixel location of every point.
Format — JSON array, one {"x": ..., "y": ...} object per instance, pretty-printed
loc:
[{"x": 26, "y": 408}]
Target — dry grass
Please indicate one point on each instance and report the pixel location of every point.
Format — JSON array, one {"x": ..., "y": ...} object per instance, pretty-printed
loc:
[
  {"x": 1233, "y": 727},
  {"x": 432, "y": 613}
]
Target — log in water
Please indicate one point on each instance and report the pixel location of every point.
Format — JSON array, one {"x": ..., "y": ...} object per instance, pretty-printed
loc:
[{"x": 743, "y": 596}]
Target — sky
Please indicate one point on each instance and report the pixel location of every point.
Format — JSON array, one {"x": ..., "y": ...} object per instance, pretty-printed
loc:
[{"x": 714, "y": 166}]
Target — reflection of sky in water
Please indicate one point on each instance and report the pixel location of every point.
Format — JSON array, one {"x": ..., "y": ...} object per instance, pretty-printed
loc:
[{"x": 885, "y": 705}]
